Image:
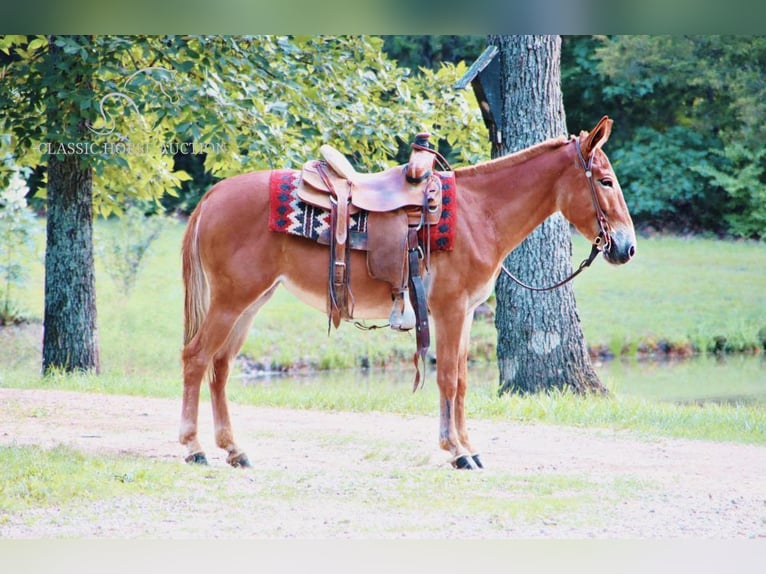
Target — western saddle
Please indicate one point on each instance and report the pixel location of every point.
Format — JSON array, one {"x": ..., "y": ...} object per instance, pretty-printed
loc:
[{"x": 399, "y": 202}]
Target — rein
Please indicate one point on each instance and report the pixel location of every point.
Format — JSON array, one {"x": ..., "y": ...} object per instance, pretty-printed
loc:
[{"x": 601, "y": 241}]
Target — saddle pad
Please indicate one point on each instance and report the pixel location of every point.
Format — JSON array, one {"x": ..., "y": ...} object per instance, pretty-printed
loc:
[{"x": 288, "y": 214}]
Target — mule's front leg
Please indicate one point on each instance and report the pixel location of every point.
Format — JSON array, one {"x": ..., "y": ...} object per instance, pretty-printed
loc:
[
  {"x": 460, "y": 420},
  {"x": 452, "y": 358},
  {"x": 461, "y": 458},
  {"x": 452, "y": 434}
]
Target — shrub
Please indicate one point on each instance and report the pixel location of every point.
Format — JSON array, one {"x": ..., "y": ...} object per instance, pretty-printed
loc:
[
  {"x": 667, "y": 179},
  {"x": 17, "y": 240},
  {"x": 124, "y": 246}
]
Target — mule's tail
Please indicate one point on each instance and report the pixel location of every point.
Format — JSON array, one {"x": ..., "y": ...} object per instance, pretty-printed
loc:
[{"x": 196, "y": 289}]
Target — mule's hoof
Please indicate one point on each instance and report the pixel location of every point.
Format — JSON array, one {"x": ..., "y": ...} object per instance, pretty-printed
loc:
[
  {"x": 464, "y": 462},
  {"x": 239, "y": 461},
  {"x": 196, "y": 458},
  {"x": 477, "y": 460}
]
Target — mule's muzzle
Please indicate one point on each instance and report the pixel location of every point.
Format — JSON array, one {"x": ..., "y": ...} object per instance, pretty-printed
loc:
[{"x": 621, "y": 248}]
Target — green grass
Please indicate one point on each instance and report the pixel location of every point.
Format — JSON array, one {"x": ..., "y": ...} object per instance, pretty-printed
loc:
[
  {"x": 32, "y": 476},
  {"x": 347, "y": 391},
  {"x": 676, "y": 290}
]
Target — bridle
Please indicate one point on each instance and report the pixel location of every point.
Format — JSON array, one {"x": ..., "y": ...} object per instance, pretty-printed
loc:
[
  {"x": 603, "y": 224},
  {"x": 601, "y": 242}
]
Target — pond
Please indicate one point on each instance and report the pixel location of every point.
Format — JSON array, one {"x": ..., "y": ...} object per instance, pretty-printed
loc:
[{"x": 730, "y": 379}]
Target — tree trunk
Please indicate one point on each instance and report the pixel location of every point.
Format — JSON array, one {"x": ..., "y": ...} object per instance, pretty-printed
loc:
[
  {"x": 70, "y": 338},
  {"x": 540, "y": 341}
]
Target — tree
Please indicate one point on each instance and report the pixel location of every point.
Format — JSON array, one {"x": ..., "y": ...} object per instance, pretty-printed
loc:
[
  {"x": 540, "y": 341},
  {"x": 107, "y": 115}
]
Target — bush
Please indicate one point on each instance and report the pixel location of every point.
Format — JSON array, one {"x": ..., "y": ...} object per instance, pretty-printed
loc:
[
  {"x": 123, "y": 247},
  {"x": 743, "y": 176},
  {"x": 667, "y": 178},
  {"x": 17, "y": 240}
]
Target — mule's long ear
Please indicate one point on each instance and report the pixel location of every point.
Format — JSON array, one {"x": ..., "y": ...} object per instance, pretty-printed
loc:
[{"x": 598, "y": 136}]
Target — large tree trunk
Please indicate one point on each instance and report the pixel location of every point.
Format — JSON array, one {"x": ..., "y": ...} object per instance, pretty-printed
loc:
[
  {"x": 70, "y": 339},
  {"x": 540, "y": 341}
]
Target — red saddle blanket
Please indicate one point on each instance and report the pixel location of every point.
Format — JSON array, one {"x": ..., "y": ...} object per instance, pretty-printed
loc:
[{"x": 288, "y": 214}]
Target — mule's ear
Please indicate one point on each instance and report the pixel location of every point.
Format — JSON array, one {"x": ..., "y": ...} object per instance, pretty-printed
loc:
[{"x": 598, "y": 136}]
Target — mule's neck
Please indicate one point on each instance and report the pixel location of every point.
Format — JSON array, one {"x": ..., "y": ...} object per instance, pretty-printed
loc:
[{"x": 510, "y": 196}]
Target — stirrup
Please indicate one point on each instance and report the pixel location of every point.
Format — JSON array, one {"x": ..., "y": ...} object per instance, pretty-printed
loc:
[{"x": 402, "y": 317}]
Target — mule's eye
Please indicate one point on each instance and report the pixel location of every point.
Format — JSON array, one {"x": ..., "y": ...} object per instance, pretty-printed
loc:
[{"x": 606, "y": 182}]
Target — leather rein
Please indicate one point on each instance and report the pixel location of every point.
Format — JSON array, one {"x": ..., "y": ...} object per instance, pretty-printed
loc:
[{"x": 600, "y": 243}]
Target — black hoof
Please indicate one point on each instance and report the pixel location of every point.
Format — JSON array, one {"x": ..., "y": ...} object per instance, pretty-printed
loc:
[
  {"x": 240, "y": 461},
  {"x": 196, "y": 458},
  {"x": 464, "y": 462},
  {"x": 477, "y": 461}
]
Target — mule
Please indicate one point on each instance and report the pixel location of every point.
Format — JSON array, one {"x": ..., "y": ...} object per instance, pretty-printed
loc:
[{"x": 232, "y": 265}]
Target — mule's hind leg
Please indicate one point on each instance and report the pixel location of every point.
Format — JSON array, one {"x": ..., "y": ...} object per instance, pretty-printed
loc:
[
  {"x": 197, "y": 356},
  {"x": 224, "y": 437}
]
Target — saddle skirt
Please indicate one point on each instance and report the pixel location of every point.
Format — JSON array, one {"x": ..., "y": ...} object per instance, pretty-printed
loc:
[{"x": 290, "y": 214}]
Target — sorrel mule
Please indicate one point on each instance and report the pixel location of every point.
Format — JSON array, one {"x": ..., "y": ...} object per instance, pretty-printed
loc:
[{"x": 232, "y": 264}]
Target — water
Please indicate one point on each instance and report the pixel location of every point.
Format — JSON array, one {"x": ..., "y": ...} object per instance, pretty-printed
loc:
[
  {"x": 703, "y": 380},
  {"x": 732, "y": 379}
]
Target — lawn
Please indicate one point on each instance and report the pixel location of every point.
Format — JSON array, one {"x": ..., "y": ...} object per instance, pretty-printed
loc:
[{"x": 677, "y": 291}]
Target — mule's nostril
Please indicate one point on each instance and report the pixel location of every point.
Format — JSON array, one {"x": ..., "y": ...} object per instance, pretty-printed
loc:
[{"x": 631, "y": 251}]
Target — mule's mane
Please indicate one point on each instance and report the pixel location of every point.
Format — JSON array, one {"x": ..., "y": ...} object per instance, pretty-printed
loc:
[{"x": 514, "y": 158}]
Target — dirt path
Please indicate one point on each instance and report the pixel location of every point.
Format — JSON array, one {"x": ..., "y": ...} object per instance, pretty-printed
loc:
[{"x": 349, "y": 475}]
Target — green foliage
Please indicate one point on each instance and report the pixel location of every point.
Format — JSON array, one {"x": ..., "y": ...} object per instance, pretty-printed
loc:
[
  {"x": 666, "y": 178},
  {"x": 700, "y": 100},
  {"x": 742, "y": 175},
  {"x": 245, "y": 102},
  {"x": 17, "y": 244},
  {"x": 185, "y": 198},
  {"x": 430, "y": 52}
]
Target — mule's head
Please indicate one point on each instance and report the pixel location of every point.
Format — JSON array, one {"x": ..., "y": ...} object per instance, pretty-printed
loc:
[{"x": 590, "y": 196}]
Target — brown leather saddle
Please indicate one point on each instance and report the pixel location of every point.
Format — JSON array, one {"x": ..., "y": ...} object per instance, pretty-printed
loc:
[{"x": 399, "y": 202}]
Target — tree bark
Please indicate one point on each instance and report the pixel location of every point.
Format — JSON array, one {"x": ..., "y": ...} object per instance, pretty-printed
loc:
[
  {"x": 70, "y": 338},
  {"x": 540, "y": 340}
]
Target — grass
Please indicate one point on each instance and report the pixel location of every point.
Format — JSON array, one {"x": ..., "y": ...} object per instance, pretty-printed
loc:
[
  {"x": 65, "y": 491},
  {"x": 678, "y": 290},
  {"x": 32, "y": 476}
]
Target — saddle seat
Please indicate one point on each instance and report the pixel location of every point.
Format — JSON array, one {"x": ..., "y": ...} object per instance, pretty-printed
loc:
[{"x": 378, "y": 192}]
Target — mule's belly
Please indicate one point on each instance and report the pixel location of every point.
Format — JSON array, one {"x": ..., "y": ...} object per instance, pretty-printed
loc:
[{"x": 372, "y": 299}]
